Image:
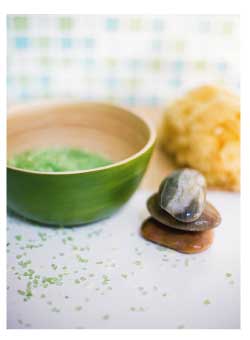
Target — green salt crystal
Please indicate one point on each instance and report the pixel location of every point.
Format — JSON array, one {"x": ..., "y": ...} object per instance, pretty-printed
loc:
[{"x": 58, "y": 160}]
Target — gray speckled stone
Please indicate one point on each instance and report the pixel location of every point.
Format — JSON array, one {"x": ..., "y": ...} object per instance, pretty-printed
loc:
[{"x": 183, "y": 195}]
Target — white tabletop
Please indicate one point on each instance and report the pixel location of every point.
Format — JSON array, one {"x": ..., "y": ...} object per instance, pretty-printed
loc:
[{"x": 105, "y": 275}]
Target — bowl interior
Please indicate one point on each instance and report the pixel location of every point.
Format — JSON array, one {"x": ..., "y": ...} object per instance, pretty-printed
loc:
[{"x": 108, "y": 130}]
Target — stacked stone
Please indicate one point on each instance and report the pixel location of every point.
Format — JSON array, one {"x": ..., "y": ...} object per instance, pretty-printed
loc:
[{"x": 181, "y": 218}]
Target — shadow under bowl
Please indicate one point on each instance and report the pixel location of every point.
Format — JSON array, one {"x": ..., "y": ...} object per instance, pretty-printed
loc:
[{"x": 77, "y": 197}]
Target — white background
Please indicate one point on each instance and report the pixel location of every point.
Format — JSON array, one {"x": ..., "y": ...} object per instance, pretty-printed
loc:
[{"x": 121, "y": 280}]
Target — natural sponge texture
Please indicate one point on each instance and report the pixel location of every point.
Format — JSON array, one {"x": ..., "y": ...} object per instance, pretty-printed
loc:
[{"x": 202, "y": 130}]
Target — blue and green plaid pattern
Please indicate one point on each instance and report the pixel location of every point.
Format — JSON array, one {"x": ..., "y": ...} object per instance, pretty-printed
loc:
[{"x": 131, "y": 60}]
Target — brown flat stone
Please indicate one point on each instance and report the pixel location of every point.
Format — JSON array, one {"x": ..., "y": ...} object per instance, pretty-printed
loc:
[
  {"x": 210, "y": 218},
  {"x": 179, "y": 240}
]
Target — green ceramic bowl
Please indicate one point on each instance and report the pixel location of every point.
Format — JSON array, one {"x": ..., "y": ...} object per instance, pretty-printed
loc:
[{"x": 78, "y": 197}]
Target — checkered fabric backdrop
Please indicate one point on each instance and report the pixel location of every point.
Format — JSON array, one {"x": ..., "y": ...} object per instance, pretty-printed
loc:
[{"x": 132, "y": 60}]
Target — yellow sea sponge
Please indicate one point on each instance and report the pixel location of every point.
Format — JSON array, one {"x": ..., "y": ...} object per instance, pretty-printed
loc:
[{"x": 202, "y": 130}]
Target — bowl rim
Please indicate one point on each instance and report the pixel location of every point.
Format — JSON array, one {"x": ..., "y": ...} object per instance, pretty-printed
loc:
[{"x": 50, "y": 103}]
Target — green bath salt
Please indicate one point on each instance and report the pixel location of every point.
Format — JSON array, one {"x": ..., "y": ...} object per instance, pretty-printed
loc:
[{"x": 58, "y": 160}]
